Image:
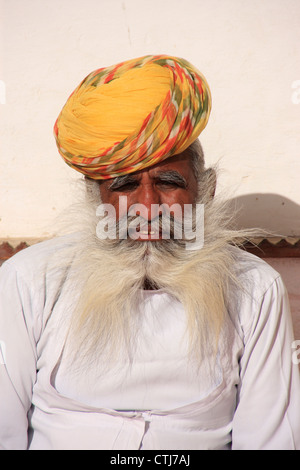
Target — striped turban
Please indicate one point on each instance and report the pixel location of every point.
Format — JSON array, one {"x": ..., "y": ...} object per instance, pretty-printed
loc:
[{"x": 132, "y": 115}]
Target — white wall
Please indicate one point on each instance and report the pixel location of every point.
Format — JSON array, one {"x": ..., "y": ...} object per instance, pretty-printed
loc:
[{"x": 248, "y": 51}]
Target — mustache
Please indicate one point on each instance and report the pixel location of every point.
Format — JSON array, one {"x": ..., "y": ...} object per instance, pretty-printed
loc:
[
  {"x": 164, "y": 226},
  {"x": 167, "y": 226}
]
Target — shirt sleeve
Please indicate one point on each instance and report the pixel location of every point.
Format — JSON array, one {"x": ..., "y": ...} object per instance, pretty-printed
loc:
[
  {"x": 17, "y": 359},
  {"x": 268, "y": 408}
]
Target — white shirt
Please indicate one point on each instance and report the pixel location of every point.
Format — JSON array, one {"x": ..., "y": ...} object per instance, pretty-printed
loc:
[{"x": 251, "y": 400}]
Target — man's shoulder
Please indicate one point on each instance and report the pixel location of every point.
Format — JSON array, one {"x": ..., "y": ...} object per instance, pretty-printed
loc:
[
  {"x": 256, "y": 284},
  {"x": 41, "y": 255},
  {"x": 254, "y": 272}
]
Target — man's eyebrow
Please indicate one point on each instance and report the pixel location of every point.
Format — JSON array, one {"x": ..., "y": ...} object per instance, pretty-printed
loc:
[
  {"x": 121, "y": 180},
  {"x": 172, "y": 176}
]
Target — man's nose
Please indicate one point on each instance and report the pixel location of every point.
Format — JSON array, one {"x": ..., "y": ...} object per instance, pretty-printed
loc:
[{"x": 148, "y": 199}]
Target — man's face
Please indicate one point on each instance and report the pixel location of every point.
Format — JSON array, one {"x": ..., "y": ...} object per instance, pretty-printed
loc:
[{"x": 169, "y": 182}]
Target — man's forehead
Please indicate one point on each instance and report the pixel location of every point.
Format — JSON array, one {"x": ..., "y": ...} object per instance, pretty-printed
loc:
[{"x": 180, "y": 164}]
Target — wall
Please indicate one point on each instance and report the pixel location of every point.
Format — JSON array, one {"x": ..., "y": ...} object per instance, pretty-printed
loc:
[{"x": 248, "y": 51}]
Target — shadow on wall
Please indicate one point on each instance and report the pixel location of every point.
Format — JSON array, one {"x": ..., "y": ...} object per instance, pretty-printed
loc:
[{"x": 276, "y": 214}]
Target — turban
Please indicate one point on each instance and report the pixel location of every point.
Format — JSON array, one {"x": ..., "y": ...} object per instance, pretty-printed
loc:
[{"x": 132, "y": 115}]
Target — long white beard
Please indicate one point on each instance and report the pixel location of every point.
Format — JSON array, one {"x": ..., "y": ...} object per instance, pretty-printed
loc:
[{"x": 111, "y": 276}]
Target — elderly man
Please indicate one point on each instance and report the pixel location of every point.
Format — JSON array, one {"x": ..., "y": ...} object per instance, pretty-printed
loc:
[{"x": 124, "y": 334}]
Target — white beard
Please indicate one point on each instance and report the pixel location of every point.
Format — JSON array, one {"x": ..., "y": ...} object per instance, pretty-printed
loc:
[{"x": 111, "y": 276}]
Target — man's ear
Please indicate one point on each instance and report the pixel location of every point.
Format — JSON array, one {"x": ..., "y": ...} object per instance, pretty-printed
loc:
[{"x": 211, "y": 182}]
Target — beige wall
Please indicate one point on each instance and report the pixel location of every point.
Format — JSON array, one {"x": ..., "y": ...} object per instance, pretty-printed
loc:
[{"x": 249, "y": 52}]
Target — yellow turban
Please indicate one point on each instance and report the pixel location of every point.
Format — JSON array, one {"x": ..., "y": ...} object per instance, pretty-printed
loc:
[{"x": 132, "y": 115}]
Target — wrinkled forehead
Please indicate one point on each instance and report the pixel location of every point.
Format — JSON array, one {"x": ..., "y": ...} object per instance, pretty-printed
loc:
[{"x": 178, "y": 167}]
